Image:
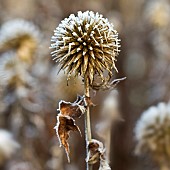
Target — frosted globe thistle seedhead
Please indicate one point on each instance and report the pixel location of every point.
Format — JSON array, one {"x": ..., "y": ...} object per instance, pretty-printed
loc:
[
  {"x": 86, "y": 44},
  {"x": 152, "y": 131},
  {"x": 21, "y": 35}
]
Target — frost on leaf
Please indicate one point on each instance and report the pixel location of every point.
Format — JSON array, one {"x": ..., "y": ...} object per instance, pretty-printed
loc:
[
  {"x": 104, "y": 164},
  {"x": 65, "y": 124},
  {"x": 96, "y": 153},
  {"x": 65, "y": 120}
]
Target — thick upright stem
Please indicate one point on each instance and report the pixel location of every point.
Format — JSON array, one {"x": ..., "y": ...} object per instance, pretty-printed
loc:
[{"x": 87, "y": 121}]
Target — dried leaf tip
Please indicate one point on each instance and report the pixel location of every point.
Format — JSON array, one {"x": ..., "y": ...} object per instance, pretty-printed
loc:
[
  {"x": 86, "y": 44},
  {"x": 65, "y": 124}
]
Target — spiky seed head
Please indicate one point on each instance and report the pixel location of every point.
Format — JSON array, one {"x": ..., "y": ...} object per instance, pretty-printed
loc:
[
  {"x": 152, "y": 131},
  {"x": 86, "y": 44},
  {"x": 21, "y": 35}
]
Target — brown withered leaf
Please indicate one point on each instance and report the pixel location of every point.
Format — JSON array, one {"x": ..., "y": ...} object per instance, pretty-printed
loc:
[
  {"x": 65, "y": 119},
  {"x": 65, "y": 124},
  {"x": 74, "y": 110}
]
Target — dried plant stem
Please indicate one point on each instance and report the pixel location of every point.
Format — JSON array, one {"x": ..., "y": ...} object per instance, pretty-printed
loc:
[
  {"x": 87, "y": 121},
  {"x": 107, "y": 144}
]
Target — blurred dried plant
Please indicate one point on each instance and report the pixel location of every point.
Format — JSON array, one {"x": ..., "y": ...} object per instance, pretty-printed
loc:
[
  {"x": 21, "y": 36},
  {"x": 152, "y": 133}
]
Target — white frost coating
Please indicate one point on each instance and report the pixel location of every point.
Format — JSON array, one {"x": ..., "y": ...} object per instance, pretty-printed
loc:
[
  {"x": 84, "y": 52},
  {"x": 79, "y": 39},
  {"x": 17, "y": 28},
  {"x": 78, "y": 49},
  {"x": 90, "y": 48},
  {"x": 104, "y": 165}
]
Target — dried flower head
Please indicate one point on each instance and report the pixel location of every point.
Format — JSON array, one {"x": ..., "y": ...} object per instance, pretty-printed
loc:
[
  {"x": 152, "y": 132},
  {"x": 21, "y": 35},
  {"x": 8, "y": 145},
  {"x": 86, "y": 44}
]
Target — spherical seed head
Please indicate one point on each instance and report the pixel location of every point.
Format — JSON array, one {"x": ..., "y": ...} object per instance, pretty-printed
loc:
[
  {"x": 152, "y": 131},
  {"x": 86, "y": 44},
  {"x": 21, "y": 35}
]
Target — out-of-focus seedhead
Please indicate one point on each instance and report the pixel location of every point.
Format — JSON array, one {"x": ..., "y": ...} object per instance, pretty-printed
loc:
[
  {"x": 152, "y": 133},
  {"x": 22, "y": 36}
]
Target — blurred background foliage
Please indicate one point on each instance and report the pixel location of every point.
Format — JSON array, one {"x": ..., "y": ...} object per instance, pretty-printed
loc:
[{"x": 30, "y": 88}]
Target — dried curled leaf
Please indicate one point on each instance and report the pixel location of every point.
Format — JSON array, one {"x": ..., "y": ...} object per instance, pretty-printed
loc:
[
  {"x": 96, "y": 153},
  {"x": 65, "y": 120},
  {"x": 65, "y": 124}
]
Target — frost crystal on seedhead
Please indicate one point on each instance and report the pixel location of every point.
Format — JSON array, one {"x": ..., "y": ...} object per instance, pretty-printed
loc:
[
  {"x": 152, "y": 130},
  {"x": 13, "y": 31},
  {"x": 86, "y": 44}
]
